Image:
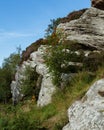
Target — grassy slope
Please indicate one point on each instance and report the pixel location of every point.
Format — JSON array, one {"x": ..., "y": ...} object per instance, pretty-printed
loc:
[{"x": 52, "y": 116}]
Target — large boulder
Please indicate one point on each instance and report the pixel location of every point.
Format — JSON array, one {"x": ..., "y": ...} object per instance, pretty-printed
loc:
[
  {"x": 87, "y": 30},
  {"x": 88, "y": 114},
  {"x": 98, "y": 4}
]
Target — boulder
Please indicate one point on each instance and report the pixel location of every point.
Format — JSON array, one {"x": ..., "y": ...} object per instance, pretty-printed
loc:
[
  {"x": 88, "y": 114},
  {"x": 98, "y": 4},
  {"x": 87, "y": 30}
]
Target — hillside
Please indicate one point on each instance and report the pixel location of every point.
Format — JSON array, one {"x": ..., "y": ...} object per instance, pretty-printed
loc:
[{"x": 57, "y": 83}]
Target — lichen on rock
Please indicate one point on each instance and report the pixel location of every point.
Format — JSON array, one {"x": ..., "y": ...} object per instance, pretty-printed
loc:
[{"x": 88, "y": 114}]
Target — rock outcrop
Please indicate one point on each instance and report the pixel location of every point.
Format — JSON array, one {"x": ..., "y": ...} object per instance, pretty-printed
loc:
[
  {"x": 98, "y": 4},
  {"x": 46, "y": 86},
  {"x": 87, "y": 30},
  {"x": 88, "y": 114}
]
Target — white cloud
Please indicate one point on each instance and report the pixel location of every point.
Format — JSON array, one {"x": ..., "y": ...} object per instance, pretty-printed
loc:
[{"x": 5, "y": 34}]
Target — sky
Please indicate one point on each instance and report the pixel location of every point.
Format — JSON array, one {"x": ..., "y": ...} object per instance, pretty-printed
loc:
[{"x": 25, "y": 21}]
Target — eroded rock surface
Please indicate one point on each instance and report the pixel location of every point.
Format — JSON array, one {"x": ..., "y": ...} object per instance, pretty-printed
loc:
[
  {"x": 46, "y": 86},
  {"x": 87, "y": 30},
  {"x": 88, "y": 114}
]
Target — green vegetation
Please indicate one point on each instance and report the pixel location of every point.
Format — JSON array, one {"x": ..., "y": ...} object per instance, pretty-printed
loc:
[
  {"x": 58, "y": 60},
  {"x": 61, "y": 57},
  {"x": 26, "y": 115},
  {"x": 7, "y": 73},
  {"x": 65, "y": 57},
  {"x": 29, "y": 85},
  {"x": 52, "y": 26}
]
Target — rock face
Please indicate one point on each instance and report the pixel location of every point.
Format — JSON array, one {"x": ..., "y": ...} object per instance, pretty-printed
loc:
[
  {"x": 47, "y": 88},
  {"x": 88, "y": 114},
  {"x": 98, "y": 4},
  {"x": 87, "y": 30}
]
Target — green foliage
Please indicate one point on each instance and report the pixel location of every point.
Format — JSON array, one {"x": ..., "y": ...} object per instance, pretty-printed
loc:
[
  {"x": 48, "y": 111},
  {"x": 61, "y": 53},
  {"x": 58, "y": 60},
  {"x": 29, "y": 82},
  {"x": 52, "y": 26},
  {"x": 54, "y": 115},
  {"x": 7, "y": 73},
  {"x": 20, "y": 122},
  {"x": 12, "y": 62}
]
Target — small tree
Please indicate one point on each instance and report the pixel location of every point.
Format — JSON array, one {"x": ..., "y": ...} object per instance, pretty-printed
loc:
[{"x": 52, "y": 26}]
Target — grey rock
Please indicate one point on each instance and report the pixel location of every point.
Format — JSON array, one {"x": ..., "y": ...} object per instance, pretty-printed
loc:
[
  {"x": 87, "y": 30},
  {"x": 46, "y": 92},
  {"x": 88, "y": 114},
  {"x": 44, "y": 80}
]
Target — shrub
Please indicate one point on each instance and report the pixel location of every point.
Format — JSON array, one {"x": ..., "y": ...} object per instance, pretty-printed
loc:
[
  {"x": 72, "y": 16},
  {"x": 58, "y": 60},
  {"x": 33, "y": 47}
]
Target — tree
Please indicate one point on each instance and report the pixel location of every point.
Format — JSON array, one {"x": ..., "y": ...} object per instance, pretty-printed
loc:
[
  {"x": 7, "y": 73},
  {"x": 5, "y": 80},
  {"x": 52, "y": 26}
]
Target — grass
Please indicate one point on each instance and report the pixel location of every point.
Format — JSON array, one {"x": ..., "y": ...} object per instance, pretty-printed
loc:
[{"x": 54, "y": 115}]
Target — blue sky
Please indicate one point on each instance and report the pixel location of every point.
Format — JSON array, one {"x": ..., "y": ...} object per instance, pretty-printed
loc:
[{"x": 24, "y": 21}]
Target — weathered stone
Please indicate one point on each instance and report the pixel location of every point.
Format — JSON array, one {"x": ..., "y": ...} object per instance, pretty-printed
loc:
[
  {"x": 46, "y": 92},
  {"x": 44, "y": 80},
  {"x": 88, "y": 114},
  {"x": 98, "y": 4},
  {"x": 87, "y": 30}
]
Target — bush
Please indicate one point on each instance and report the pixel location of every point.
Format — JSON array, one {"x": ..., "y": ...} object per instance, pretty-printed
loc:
[
  {"x": 62, "y": 56},
  {"x": 33, "y": 47},
  {"x": 72, "y": 16},
  {"x": 58, "y": 60}
]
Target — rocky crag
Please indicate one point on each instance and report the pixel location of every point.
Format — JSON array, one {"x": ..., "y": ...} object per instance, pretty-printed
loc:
[
  {"x": 46, "y": 87},
  {"x": 88, "y": 114},
  {"x": 88, "y": 31}
]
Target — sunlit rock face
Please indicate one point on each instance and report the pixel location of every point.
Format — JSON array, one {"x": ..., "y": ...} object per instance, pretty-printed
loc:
[
  {"x": 87, "y": 30},
  {"x": 88, "y": 114},
  {"x": 98, "y": 4},
  {"x": 46, "y": 87}
]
